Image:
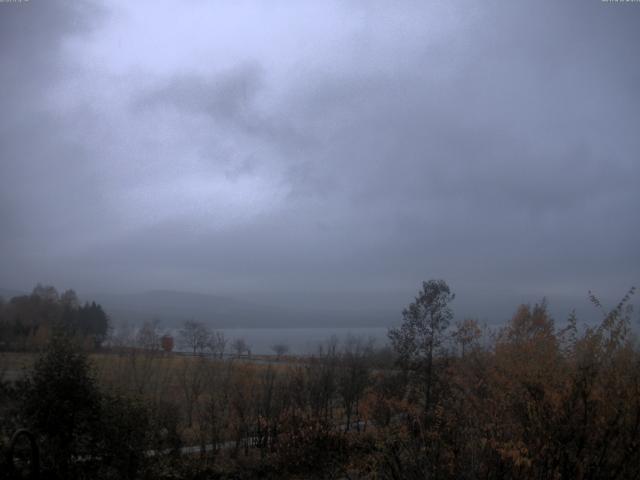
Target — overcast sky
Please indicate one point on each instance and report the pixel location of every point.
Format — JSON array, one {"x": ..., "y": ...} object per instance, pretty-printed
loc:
[{"x": 314, "y": 148}]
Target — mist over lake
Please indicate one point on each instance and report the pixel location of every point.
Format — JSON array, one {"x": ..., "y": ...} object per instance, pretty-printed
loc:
[{"x": 301, "y": 341}]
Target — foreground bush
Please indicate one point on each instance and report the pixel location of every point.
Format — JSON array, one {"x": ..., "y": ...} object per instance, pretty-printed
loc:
[{"x": 82, "y": 432}]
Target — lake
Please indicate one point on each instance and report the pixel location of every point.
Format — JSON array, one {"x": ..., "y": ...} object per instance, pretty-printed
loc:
[{"x": 301, "y": 341}]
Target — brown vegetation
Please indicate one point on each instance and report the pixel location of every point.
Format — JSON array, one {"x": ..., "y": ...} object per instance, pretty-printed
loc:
[{"x": 529, "y": 400}]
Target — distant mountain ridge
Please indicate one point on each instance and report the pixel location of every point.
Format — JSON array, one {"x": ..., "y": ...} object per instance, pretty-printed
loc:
[{"x": 173, "y": 307}]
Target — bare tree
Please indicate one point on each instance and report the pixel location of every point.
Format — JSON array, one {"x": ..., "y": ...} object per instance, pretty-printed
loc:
[
  {"x": 213, "y": 417},
  {"x": 353, "y": 376},
  {"x": 195, "y": 336},
  {"x": 148, "y": 337},
  {"x": 269, "y": 406},
  {"x": 192, "y": 379},
  {"x": 240, "y": 346},
  {"x": 280, "y": 349},
  {"x": 217, "y": 343},
  {"x": 321, "y": 373}
]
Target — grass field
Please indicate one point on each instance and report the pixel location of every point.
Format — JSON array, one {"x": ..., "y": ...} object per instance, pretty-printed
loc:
[{"x": 14, "y": 365}]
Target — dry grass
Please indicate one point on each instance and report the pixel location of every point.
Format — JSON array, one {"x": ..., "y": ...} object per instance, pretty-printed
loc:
[{"x": 14, "y": 365}]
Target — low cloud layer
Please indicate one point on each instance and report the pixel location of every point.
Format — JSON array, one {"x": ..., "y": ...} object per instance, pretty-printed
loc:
[{"x": 309, "y": 149}]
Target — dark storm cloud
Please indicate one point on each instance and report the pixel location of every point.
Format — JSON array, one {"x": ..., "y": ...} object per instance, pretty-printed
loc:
[
  {"x": 227, "y": 96},
  {"x": 365, "y": 148},
  {"x": 228, "y": 101}
]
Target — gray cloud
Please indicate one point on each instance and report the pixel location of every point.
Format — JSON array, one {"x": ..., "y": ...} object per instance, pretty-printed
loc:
[
  {"x": 363, "y": 149},
  {"x": 227, "y": 96}
]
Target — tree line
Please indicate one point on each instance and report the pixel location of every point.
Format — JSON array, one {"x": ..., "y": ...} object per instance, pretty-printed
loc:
[
  {"x": 28, "y": 322},
  {"x": 193, "y": 336},
  {"x": 450, "y": 401}
]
